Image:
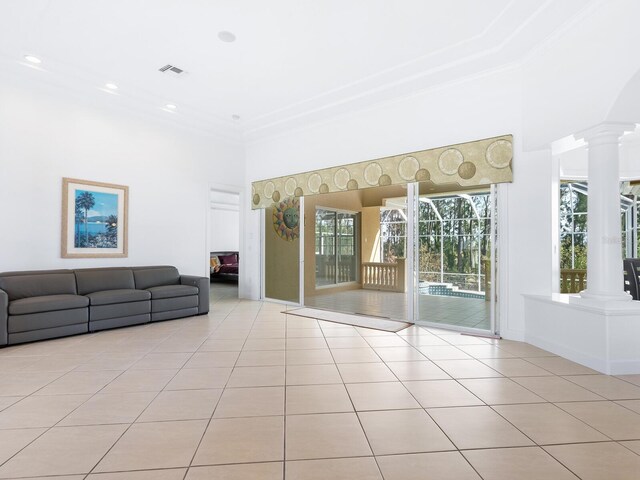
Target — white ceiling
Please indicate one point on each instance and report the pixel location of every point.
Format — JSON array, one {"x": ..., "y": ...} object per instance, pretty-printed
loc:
[{"x": 294, "y": 61}]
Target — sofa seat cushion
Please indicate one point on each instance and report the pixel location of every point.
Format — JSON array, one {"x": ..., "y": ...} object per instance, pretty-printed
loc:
[
  {"x": 109, "y": 297},
  {"x": 48, "y": 321},
  {"x": 171, "y": 291},
  {"x": 47, "y": 303}
]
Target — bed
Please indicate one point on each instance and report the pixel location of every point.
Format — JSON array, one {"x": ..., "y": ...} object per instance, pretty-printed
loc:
[{"x": 224, "y": 266}]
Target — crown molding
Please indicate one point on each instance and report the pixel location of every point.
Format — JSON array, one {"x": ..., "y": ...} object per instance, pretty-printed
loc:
[
  {"x": 82, "y": 89},
  {"x": 498, "y": 47}
]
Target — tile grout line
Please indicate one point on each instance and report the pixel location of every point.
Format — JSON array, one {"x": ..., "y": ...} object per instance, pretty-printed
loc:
[
  {"x": 183, "y": 327},
  {"x": 458, "y": 381},
  {"x": 204, "y": 432}
]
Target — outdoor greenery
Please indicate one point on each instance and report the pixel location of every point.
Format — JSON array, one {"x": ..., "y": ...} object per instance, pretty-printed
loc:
[
  {"x": 456, "y": 231},
  {"x": 393, "y": 234},
  {"x": 453, "y": 243},
  {"x": 573, "y": 226},
  {"x": 454, "y": 234}
]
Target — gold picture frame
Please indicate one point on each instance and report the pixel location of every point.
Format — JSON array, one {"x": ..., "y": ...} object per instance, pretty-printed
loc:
[{"x": 94, "y": 219}]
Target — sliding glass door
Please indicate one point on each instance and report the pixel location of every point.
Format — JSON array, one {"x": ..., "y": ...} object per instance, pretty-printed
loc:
[
  {"x": 336, "y": 247},
  {"x": 427, "y": 257},
  {"x": 455, "y": 260}
]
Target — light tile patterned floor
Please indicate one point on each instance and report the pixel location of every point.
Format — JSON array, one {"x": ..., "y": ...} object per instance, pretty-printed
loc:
[{"x": 250, "y": 393}]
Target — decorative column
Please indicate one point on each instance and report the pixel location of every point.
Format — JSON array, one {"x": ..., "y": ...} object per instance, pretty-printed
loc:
[{"x": 604, "y": 247}]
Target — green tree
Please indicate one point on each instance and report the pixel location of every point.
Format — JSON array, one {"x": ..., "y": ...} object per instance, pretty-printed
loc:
[
  {"x": 85, "y": 201},
  {"x": 78, "y": 221},
  {"x": 573, "y": 227}
]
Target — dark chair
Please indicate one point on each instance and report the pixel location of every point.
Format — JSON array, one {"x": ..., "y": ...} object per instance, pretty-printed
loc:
[{"x": 632, "y": 277}]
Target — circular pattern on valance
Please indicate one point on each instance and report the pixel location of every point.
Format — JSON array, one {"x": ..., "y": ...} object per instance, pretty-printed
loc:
[
  {"x": 499, "y": 154},
  {"x": 450, "y": 160},
  {"x": 408, "y": 168},
  {"x": 341, "y": 178},
  {"x": 466, "y": 170},
  {"x": 314, "y": 182},
  {"x": 290, "y": 186},
  {"x": 269, "y": 188},
  {"x": 372, "y": 173},
  {"x": 423, "y": 175}
]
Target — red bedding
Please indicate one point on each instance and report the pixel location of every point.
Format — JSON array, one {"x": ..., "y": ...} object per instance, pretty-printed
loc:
[{"x": 227, "y": 268}]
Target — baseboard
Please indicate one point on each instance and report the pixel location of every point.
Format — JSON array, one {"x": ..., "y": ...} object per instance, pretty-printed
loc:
[
  {"x": 571, "y": 354},
  {"x": 516, "y": 335}
]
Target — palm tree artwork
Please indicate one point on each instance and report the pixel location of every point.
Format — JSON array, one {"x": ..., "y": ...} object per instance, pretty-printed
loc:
[
  {"x": 85, "y": 200},
  {"x": 96, "y": 219},
  {"x": 112, "y": 227}
]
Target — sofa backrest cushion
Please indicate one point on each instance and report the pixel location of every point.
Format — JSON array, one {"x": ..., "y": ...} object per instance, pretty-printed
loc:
[
  {"x": 99, "y": 279},
  {"x": 231, "y": 259},
  {"x": 147, "y": 277},
  {"x": 37, "y": 284}
]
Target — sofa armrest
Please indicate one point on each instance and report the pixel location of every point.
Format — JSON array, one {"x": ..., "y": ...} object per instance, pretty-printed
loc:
[
  {"x": 4, "y": 316},
  {"x": 203, "y": 290}
]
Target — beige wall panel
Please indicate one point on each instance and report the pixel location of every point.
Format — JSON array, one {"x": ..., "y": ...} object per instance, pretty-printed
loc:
[
  {"x": 370, "y": 234},
  {"x": 281, "y": 264}
]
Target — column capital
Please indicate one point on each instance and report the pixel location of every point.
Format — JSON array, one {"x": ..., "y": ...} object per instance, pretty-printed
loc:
[{"x": 604, "y": 133}]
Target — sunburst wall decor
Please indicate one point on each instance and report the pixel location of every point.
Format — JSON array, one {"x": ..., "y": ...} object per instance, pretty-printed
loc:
[{"x": 286, "y": 218}]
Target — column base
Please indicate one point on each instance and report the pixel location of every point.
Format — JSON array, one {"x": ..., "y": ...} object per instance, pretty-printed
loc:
[
  {"x": 603, "y": 339},
  {"x": 602, "y": 300}
]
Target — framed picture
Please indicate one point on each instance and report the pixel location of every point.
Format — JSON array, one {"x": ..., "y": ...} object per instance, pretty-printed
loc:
[{"x": 94, "y": 219}]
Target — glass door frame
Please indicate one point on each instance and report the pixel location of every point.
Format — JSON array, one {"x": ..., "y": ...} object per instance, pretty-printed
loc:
[
  {"x": 356, "y": 245},
  {"x": 413, "y": 275}
]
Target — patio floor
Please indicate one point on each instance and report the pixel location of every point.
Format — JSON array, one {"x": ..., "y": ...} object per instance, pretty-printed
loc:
[{"x": 455, "y": 311}]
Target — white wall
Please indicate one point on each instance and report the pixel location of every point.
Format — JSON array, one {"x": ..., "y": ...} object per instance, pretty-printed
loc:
[
  {"x": 573, "y": 82},
  {"x": 526, "y": 238},
  {"x": 45, "y": 136},
  {"x": 224, "y": 230}
]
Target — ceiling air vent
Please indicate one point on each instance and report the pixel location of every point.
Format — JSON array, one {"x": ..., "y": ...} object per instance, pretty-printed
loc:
[{"x": 171, "y": 69}]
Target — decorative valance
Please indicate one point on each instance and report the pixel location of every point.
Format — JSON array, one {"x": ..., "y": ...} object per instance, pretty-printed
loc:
[{"x": 478, "y": 163}]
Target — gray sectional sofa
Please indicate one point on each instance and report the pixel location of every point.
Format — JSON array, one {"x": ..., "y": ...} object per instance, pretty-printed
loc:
[{"x": 36, "y": 305}]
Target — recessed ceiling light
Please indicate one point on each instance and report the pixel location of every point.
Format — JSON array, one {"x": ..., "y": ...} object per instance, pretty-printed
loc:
[
  {"x": 32, "y": 59},
  {"x": 111, "y": 86},
  {"x": 235, "y": 117},
  {"x": 226, "y": 36},
  {"x": 170, "y": 106}
]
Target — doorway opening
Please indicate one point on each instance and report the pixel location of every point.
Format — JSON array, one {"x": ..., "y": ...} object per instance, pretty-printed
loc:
[{"x": 223, "y": 241}]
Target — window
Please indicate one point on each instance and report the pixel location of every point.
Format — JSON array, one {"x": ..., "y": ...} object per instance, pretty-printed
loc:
[
  {"x": 573, "y": 226},
  {"x": 573, "y": 231},
  {"x": 454, "y": 237},
  {"x": 393, "y": 234},
  {"x": 336, "y": 247}
]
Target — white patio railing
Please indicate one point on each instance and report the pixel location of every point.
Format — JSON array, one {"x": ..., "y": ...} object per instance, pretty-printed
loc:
[{"x": 384, "y": 276}]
